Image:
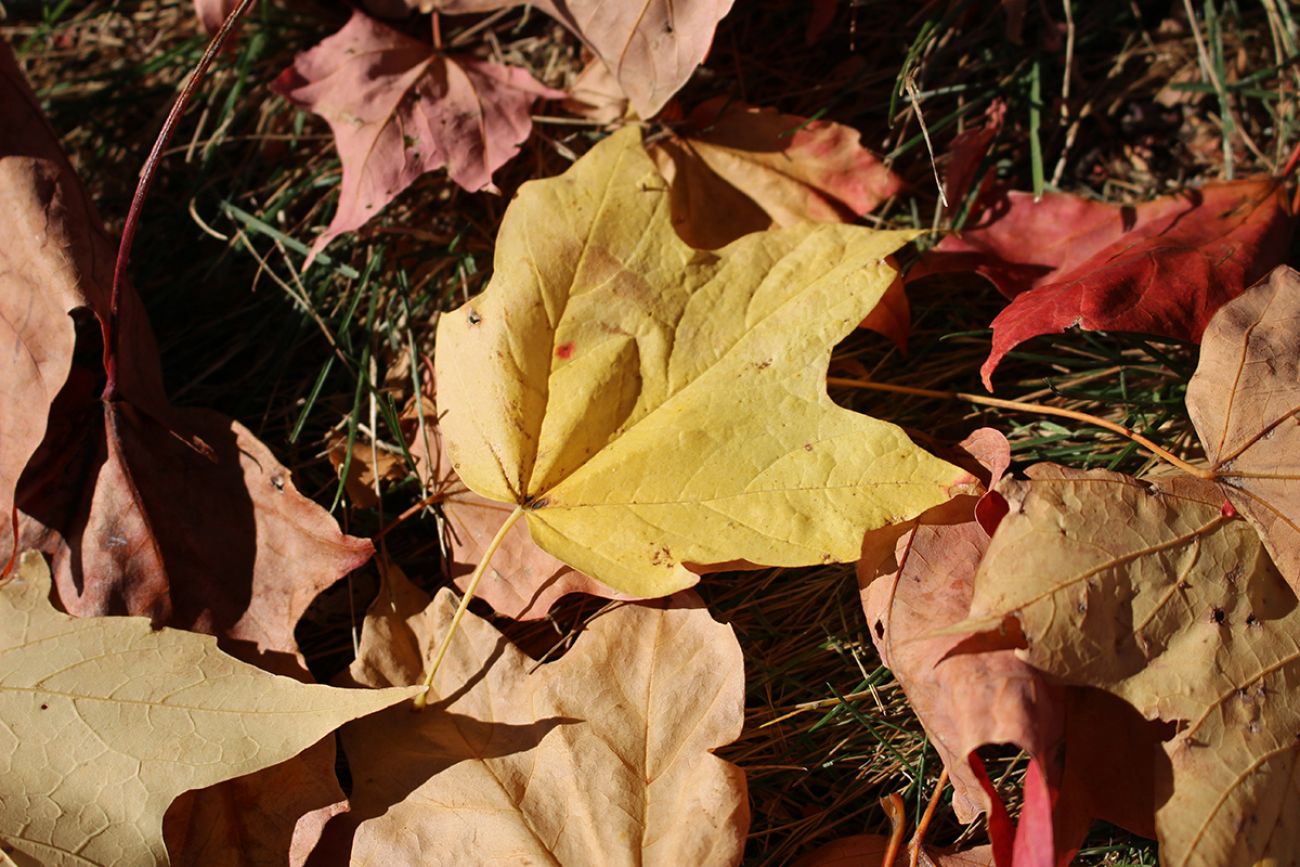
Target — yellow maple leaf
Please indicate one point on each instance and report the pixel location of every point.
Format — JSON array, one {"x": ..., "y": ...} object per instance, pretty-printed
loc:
[{"x": 650, "y": 406}]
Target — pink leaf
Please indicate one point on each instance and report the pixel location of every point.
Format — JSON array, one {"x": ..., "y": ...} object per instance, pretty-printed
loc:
[
  {"x": 399, "y": 109},
  {"x": 652, "y": 46}
]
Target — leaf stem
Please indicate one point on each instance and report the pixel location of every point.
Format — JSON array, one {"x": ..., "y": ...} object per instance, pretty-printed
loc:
[
  {"x": 1039, "y": 409},
  {"x": 109, "y": 325},
  {"x": 422, "y": 700}
]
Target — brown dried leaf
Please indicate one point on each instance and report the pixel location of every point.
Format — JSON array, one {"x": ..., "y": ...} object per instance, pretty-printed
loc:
[
  {"x": 1245, "y": 403},
  {"x": 968, "y": 694},
  {"x": 274, "y": 816},
  {"x": 398, "y": 108},
  {"x": 595, "y": 94},
  {"x": 1153, "y": 591},
  {"x": 179, "y": 514},
  {"x": 602, "y": 757}
]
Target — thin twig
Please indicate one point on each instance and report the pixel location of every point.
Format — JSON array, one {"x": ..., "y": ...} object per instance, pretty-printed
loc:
[
  {"x": 1040, "y": 409},
  {"x": 109, "y": 324}
]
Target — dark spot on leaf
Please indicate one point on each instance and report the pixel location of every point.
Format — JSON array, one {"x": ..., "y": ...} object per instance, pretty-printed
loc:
[
  {"x": 880, "y": 629},
  {"x": 1252, "y": 620},
  {"x": 278, "y": 481},
  {"x": 45, "y": 707},
  {"x": 538, "y": 504},
  {"x": 807, "y": 447},
  {"x": 1218, "y": 615},
  {"x": 474, "y": 318}
]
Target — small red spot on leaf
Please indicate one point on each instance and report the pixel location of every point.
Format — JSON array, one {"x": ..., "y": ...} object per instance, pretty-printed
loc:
[
  {"x": 1228, "y": 510},
  {"x": 564, "y": 351}
]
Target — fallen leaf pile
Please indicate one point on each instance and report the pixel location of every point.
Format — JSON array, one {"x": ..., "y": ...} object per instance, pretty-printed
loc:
[{"x": 636, "y": 400}]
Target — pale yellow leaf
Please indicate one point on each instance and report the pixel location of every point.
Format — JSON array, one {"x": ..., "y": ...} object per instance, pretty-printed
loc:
[
  {"x": 602, "y": 757},
  {"x": 655, "y": 407},
  {"x": 105, "y": 721}
]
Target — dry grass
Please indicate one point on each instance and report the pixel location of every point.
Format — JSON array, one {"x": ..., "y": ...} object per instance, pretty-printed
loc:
[{"x": 1138, "y": 109}]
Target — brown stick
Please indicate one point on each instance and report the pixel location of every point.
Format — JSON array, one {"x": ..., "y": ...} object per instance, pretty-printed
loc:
[
  {"x": 148, "y": 173},
  {"x": 1036, "y": 408}
]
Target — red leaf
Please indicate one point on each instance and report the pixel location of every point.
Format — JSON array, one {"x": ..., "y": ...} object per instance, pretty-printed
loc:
[
  {"x": 967, "y": 151},
  {"x": 398, "y": 109},
  {"x": 1163, "y": 267}
]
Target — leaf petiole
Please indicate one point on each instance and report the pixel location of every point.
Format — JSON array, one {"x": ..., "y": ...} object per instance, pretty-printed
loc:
[
  {"x": 422, "y": 700},
  {"x": 1017, "y": 406}
]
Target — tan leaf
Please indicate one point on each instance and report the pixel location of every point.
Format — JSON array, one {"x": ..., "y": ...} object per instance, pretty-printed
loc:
[
  {"x": 1245, "y": 403},
  {"x": 106, "y": 721},
  {"x": 363, "y": 469},
  {"x": 595, "y": 94},
  {"x": 655, "y": 410},
  {"x": 144, "y": 508},
  {"x": 274, "y": 816},
  {"x": 602, "y": 757},
  {"x": 918, "y": 578},
  {"x": 651, "y": 46},
  {"x": 737, "y": 169},
  {"x": 1154, "y": 591}
]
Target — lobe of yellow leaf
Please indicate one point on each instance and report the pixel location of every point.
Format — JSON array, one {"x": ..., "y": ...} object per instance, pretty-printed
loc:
[
  {"x": 106, "y": 721},
  {"x": 653, "y": 405}
]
